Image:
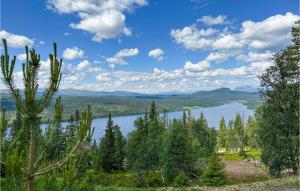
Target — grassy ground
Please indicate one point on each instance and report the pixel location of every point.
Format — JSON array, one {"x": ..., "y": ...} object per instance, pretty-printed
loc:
[{"x": 284, "y": 184}]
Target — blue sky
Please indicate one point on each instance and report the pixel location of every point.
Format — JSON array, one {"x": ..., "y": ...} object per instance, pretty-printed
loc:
[{"x": 151, "y": 45}]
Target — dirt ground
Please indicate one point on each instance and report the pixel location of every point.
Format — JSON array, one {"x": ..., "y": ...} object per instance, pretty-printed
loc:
[{"x": 242, "y": 171}]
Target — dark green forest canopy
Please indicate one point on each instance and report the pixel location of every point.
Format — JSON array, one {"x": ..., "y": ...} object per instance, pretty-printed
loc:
[{"x": 126, "y": 103}]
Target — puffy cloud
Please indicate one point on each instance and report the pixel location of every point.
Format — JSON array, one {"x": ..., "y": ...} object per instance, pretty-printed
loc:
[
  {"x": 157, "y": 54},
  {"x": 255, "y": 56},
  {"x": 227, "y": 42},
  {"x": 192, "y": 38},
  {"x": 274, "y": 32},
  {"x": 199, "y": 67},
  {"x": 45, "y": 65},
  {"x": 103, "y": 78},
  {"x": 127, "y": 52},
  {"x": 21, "y": 57},
  {"x": 217, "y": 57},
  {"x": 210, "y": 20},
  {"x": 72, "y": 53},
  {"x": 16, "y": 41},
  {"x": 83, "y": 65},
  {"x": 271, "y": 33},
  {"x": 103, "y": 19},
  {"x": 118, "y": 57}
]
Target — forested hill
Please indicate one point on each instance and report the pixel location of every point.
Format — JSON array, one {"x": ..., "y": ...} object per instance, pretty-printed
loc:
[{"x": 126, "y": 103}]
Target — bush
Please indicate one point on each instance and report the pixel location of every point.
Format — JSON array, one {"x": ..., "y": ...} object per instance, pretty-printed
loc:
[
  {"x": 215, "y": 174},
  {"x": 181, "y": 180},
  {"x": 154, "y": 179}
]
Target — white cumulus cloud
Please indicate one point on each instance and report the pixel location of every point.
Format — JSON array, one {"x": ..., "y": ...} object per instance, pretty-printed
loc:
[
  {"x": 73, "y": 53},
  {"x": 103, "y": 19},
  {"x": 83, "y": 65},
  {"x": 210, "y": 20},
  {"x": 118, "y": 58},
  {"x": 198, "y": 67},
  {"x": 16, "y": 41},
  {"x": 157, "y": 54}
]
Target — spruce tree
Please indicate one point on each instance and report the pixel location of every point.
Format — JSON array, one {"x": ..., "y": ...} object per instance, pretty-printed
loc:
[
  {"x": 107, "y": 147},
  {"x": 222, "y": 134},
  {"x": 215, "y": 174},
  {"x": 240, "y": 133},
  {"x": 119, "y": 148},
  {"x": 279, "y": 115},
  {"x": 177, "y": 153}
]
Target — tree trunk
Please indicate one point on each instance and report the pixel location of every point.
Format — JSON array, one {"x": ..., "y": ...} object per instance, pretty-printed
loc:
[{"x": 30, "y": 170}]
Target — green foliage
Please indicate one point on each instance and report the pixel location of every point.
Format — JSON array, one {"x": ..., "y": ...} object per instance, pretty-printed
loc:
[
  {"x": 279, "y": 115},
  {"x": 181, "y": 180},
  {"x": 252, "y": 132},
  {"x": 222, "y": 134},
  {"x": 178, "y": 152},
  {"x": 111, "y": 149},
  {"x": 215, "y": 173},
  {"x": 240, "y": 133}
]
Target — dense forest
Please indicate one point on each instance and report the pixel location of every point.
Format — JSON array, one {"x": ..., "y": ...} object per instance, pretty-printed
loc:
[
  {"x": 160, "y": 152},
  {"x": 126, "y": 103}
]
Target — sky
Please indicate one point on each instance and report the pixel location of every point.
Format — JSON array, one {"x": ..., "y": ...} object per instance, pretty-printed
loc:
[{"x": 150, "y": 46}]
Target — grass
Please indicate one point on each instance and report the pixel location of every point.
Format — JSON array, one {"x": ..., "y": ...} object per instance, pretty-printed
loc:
[
  {"x": 115, "y": 188},
  {"x": 250, "y": 154},
  {"x": 283, "y": 184}
]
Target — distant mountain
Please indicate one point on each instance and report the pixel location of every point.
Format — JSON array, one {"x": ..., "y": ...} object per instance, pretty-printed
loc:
[
  {"x": 246, "y": 89},
  {"x": 76, "y": 92},
  {"x": 129, "y": 103}
]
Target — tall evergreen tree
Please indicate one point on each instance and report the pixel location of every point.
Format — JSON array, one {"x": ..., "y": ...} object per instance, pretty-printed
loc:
[
  {"x": 252, "y": 132},
  {"x": 107, "y": 147},
  {"x": 178, "y": 153},
  {"x": 119, "y": 148},
  {"x": 31, "y": 107},
  {"x": 222, "y": 133},
  {"x": 215, "y": 174},
  {"x": 279, "y": 114},
  {"x": 240, "y": 133},
  {"x": 77, "y": 117}
]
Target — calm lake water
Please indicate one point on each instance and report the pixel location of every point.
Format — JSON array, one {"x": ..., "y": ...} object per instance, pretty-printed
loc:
[{"x": 212, "y": 115}]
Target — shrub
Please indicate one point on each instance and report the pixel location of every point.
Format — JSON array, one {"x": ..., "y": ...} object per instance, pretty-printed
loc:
[
  {"x": 215, "y": 174},
  {"x": 181, "y": 180},
  {"x": 154, "y": 179}
]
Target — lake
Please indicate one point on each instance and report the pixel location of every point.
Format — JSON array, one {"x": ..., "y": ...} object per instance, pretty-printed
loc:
[{"x": 212, "y": 115}]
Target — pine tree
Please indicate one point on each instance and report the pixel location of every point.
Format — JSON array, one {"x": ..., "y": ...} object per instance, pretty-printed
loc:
[
  {"x": 177, "y": 153},
  {"x": 184, "y": 119},
  {"x": 31, "y": 106},
  {"x": 222, "y": 134},
  {"x": 77, "y": 117},
  {"x": 215, "y": 174},
  {"x": 240, "y": 134},
  {"x": 153, "y": 112},
  {"x": 205, "y": 136},
  {"x": 279, "y": 115},
  {"x": 231, "y": 136},
  {"x": 119, "y": 148},
  {"x": 107, "y": 147},
  {"x": 252, "y": 132}
]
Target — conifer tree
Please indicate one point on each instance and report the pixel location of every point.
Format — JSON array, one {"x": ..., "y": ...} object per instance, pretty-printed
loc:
[
  {"x": 279, "y": 115},
  {"x": 252, "y": 132},
  {"x": 177, "y": 153},
  {"x": 222, "y": 134},
  {"x": 119, "y": 148},
  {"x": 215, "y": 174},
  {"x": 107, "y": 147},
  {"x": 31, "y": 106},
  {"x": 240, "y": 133}
]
